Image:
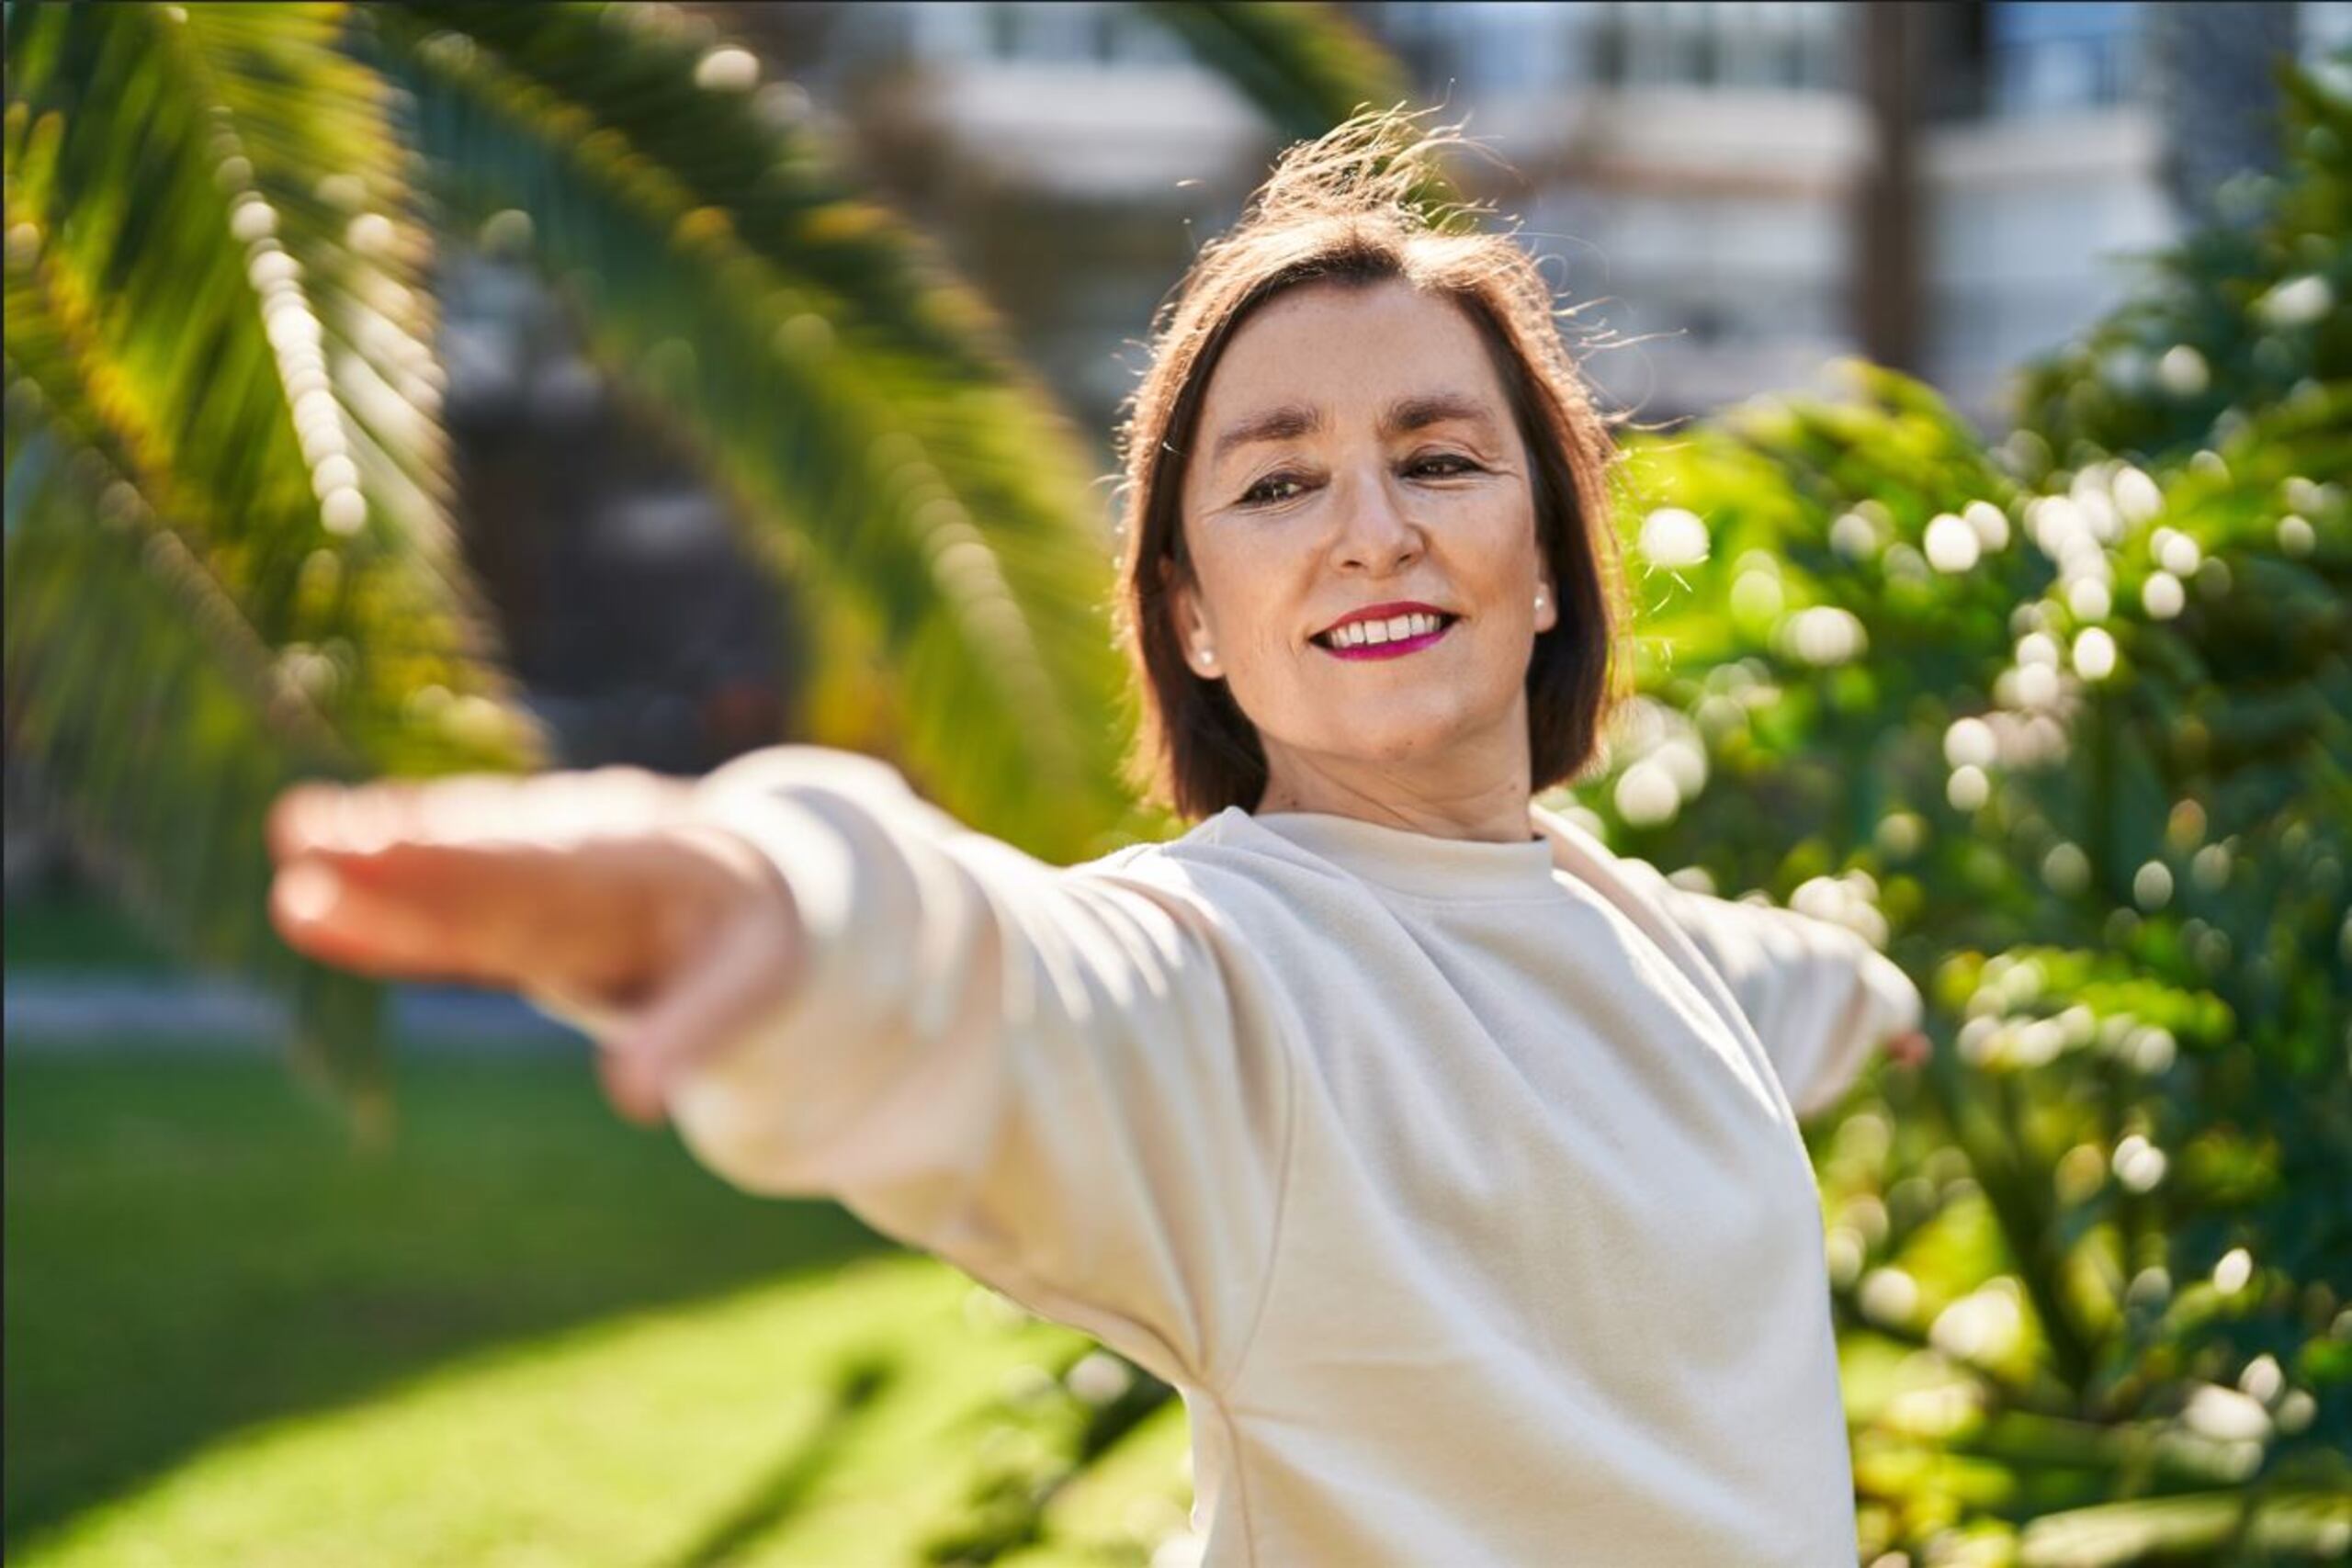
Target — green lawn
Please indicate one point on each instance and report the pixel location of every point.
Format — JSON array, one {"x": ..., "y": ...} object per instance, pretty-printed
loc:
[{"x": 527, "y": 1333}]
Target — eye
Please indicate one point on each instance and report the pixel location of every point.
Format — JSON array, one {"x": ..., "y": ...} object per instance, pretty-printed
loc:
[
  {"x": 1447, "y": 466},
  {"x": 1268, "y": 492}
]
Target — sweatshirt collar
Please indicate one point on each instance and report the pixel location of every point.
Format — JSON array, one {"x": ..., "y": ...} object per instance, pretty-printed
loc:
[{"x": 1420, "y": 864}]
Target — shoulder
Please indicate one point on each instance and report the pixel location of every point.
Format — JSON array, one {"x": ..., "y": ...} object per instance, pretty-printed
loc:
[
  {"x": 1226, "y": 869},
  {"x": 1581, "y": 852}
]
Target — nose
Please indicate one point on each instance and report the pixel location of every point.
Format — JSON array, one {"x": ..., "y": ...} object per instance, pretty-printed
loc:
[{"x": 1374, "y": 536}]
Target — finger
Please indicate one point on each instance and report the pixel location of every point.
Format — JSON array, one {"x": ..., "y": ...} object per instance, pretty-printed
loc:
[
  {"x": 518, "y": 908},
  {"x": 631, "y": 1093},
  {"x": 289, "y": 826},
  {"x": 547, "y": 877},
  {"x": 418, "y": 908},
  {"x": 463, "y": 809},
  {"x": 328, "y": 916}
]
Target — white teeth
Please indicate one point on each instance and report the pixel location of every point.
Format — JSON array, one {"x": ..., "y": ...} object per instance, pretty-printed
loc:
[{"x": 1356, "y": 634}]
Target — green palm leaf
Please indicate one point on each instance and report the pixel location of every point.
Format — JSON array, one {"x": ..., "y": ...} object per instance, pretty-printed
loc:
[
  {"x": 216, "y": 337},
  {"x": 1306, "y": 65},
  {"x": 169, "y": 727},
  {"x": 925, "y": 495}
]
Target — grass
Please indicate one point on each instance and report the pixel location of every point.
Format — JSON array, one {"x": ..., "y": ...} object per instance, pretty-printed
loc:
[{"x": 527, "y": 1334}]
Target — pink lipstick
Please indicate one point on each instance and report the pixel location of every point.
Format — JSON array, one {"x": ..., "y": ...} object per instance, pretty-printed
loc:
[{"x": 1385, "y": 631}]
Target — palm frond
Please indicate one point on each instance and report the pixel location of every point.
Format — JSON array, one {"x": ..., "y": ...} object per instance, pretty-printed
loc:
[
  {"x": 850, "y": 397},
  {"x": 1304, "y": 64},
  {"x": 163, "y": 727},
  {"x": 210, "y": 212},
  {"x": 1308, "y": 67},
  {"x": 744, "y": 150},
  {"x": 215, "y": 329}
]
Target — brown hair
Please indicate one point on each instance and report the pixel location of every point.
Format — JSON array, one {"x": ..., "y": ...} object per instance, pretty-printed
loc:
[{"x": 1347, "y": 210}]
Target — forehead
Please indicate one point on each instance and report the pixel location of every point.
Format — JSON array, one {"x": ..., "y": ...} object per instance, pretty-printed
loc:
[{"x": 1347, "y": 347}]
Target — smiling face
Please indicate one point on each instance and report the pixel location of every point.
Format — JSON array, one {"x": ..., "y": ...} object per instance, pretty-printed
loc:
[{"x": 1357, "y": 452}]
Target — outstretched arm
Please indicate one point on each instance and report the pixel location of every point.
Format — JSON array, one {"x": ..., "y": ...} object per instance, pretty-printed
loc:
[
  {"x": 1819, "y": 997},
  {"x": 1056, "y": 1079}
]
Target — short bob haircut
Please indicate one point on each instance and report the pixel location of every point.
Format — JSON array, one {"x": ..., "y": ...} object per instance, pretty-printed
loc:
[{"x": 1345, "y": 210}]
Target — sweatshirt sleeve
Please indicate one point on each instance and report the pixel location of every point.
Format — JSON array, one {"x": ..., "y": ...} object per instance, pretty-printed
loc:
[
  {"x": 1043, "y": 1076},
  {"x": 1820, "y": 997}
]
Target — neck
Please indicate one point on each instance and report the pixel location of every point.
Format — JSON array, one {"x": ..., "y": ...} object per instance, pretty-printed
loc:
[{"x": 1466, "y": 798}]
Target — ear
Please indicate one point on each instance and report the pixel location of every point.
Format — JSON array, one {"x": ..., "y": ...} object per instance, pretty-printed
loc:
[
  {"x": 1193, "y": 639},
  {"x": 1547, "y": 612}
]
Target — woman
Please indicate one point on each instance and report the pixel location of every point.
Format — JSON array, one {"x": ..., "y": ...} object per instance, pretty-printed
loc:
[{"x": 1447, "y": 1163}]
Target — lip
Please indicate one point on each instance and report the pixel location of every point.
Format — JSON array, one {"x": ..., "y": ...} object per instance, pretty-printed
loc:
[{"x": 1397, "y": 649}]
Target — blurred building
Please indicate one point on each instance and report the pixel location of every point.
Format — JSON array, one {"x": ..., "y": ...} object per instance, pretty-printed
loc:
[
  {"x": 638, "y": 628},
  {"x": 1703, "y": 171},
  {"x": 2042, "y": 170}
]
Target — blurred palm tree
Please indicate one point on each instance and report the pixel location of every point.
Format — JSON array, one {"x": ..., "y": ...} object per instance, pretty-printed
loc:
[{"x": 230, "y": 557}]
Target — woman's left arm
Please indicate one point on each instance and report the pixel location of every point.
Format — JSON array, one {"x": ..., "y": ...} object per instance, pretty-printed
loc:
[{"x": 1819, "y": 996}]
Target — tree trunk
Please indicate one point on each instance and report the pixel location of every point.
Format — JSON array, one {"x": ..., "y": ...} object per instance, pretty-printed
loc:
[{"x": 1886, "y": 287}]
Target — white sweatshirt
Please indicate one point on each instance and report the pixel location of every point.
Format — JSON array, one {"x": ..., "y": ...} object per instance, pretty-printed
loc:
[{"x": 1456, "y": 1185}]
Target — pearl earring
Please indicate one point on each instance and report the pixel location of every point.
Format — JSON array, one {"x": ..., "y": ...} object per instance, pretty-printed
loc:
[{"x": 1208, "y": 656}]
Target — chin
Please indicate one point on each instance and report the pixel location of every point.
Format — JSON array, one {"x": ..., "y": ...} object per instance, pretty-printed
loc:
[{"x": 1400, "y": 737}]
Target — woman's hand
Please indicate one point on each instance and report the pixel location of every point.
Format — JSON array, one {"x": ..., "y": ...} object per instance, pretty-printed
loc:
[
  {"x": 599, "y": 886},
  {"x": 1910, "y": 1049}
]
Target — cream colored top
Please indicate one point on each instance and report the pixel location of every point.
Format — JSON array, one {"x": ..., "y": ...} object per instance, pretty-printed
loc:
[{"x": 1456, "y": 1185}]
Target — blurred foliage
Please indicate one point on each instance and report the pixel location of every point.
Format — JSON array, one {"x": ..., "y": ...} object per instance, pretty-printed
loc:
[
  {"x": 229, "y": 558},
  {"x": 1305, "y": 66},
  {"x": 2235, "y": 320},
  {"x": 228, "y": 562},
  {"x": 2074, "y": 744}
]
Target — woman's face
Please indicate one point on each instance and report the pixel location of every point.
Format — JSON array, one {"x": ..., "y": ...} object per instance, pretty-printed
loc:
[{"x": 1356, "y": 452}]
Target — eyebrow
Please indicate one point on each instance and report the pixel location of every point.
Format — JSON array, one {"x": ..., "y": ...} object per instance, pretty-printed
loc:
[{"x": 1293, "y": 420}]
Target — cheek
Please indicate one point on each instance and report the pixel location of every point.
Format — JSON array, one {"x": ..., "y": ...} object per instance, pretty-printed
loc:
[
  {"x": 1516, "y": 564},
  {"x": 1241, "y": 598}
]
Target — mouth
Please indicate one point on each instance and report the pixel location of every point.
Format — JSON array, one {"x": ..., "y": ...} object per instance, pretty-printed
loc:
[{"x": 1390, "y": 636}]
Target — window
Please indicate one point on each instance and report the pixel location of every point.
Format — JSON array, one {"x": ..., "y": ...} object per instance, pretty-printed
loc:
[{"x": 2050, "y": 58}]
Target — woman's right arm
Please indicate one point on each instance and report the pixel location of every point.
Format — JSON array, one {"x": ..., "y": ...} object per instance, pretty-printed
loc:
[
  {"x": 1048, "y": 1078},
  {"x": 1060, "y": 1081}
]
